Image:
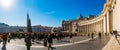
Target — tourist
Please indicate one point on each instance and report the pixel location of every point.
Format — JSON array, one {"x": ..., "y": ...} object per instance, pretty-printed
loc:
[
  {"x": 99, "y": 35},
  {"x": 115, "y": 33},
  {"x": 92, "y": 35},
  {"x": 88, "y": 35},
  {"x": 32, "y": 37},
  {"x": 39, "y": 36},
  {"x": 71, "y": 40},
  {"x": 4, "y": 37},
  {"x": 9, "y": 37},
  {"x": 57, "y": 36},
  {"x": 45, "y": 42},
  {"x": 50, "y": 40},
  {"x": 61, "y": 35}
]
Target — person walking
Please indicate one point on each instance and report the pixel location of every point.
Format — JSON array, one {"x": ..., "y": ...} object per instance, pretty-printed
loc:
[
  {"x": 50, "y": 40},
  {"x": 99, "y": 35},
  {"x": 9, "y": 37},
  {"x": 45, "y": 40},
  {"x": 4, "y": 37},
  {"x": 28, "y": 41},
  {"x": 92, "y": 35},
  {"x": 32, "y": 37},
  {"x": 115, "y": 33},
  {"x": 88, "y": 35},
  {"x": 71, "y": 36}
]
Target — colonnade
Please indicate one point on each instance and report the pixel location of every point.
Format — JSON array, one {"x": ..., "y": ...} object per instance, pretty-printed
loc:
[
  {"x": 106, "y": 22},
  {"x": 94, "y": 27}
]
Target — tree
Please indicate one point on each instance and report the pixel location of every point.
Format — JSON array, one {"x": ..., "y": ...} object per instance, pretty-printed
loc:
[{"x": 29, "y": 28}]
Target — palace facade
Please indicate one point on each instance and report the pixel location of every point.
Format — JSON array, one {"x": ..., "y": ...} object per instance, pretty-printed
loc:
[{"x": 106, "y": 22}]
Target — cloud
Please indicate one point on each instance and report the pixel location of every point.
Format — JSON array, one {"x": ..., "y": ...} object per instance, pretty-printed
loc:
[{"x": 51, "y": 12}]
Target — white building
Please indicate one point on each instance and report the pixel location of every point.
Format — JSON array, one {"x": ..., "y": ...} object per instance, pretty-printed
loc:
[{"x": 106, "y": 22}]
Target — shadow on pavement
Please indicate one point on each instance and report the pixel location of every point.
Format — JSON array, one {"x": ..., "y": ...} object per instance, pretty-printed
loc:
[
  {"x": 118, "y": 41},
  {"x": 65, "y": 41},
  {"x": 38, "y": 42},
  {"x": 93, "y": 40},
  {"x": 83, "y": 43}
]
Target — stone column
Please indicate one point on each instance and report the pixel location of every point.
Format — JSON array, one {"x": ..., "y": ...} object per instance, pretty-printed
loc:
[
  {"x": 85, "y": 28},
  {"x": 80, "y": 28},
  {"x": 90, "y": 27},
  {"x": 104, "y": 24},
  {"x": 108, "y": 31},
  {"x": 94, "y": 27},
  {"x": 100, "y": 26},
  {"x": 97, "y": 27}
]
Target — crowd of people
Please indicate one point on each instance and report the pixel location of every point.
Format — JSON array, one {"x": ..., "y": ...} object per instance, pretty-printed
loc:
[
  {"x": 31, "y": 37},
  {"x": 47, "y": 38}
]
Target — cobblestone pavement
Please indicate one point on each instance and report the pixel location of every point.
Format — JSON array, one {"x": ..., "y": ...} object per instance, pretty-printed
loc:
[
  {"x": 80, "y": 43},
  {"x": 113, "y": 44},
  {"x": 95, "y": 44}
]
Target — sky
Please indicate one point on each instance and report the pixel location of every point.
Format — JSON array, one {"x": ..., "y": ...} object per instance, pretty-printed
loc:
[{"x": 47, "y": 12}]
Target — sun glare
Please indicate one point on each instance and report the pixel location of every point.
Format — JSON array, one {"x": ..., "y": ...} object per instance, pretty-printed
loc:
[{"x": 7, "y": 4}]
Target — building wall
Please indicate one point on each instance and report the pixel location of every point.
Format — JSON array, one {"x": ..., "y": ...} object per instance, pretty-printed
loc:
[
  {"x": 106, "y": 22},
  {"x": 116, "y": 14}
]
